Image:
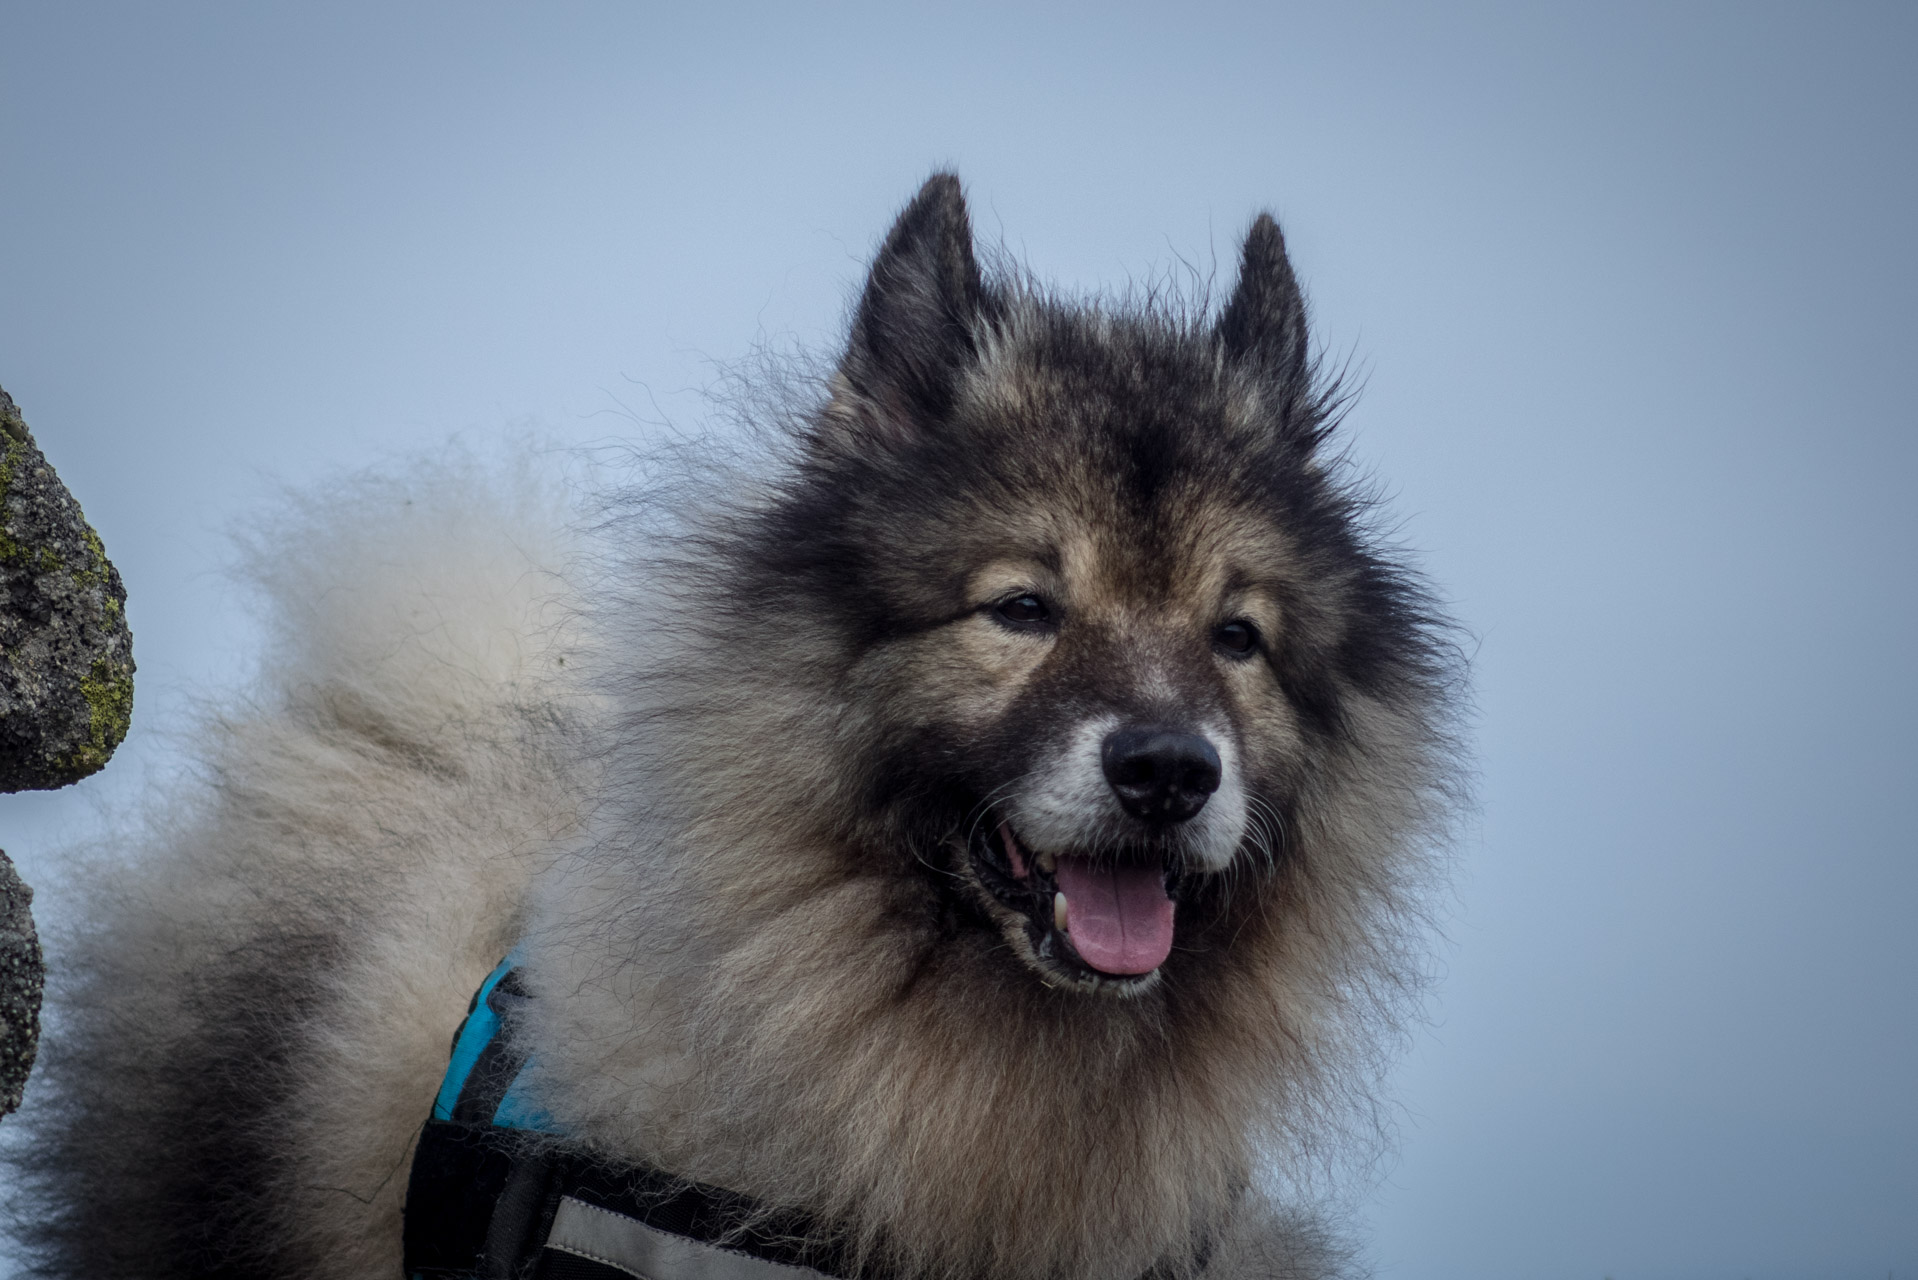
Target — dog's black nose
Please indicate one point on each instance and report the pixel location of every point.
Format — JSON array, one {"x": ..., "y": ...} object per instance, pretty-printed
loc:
[{"x": 1161, "y": 775}]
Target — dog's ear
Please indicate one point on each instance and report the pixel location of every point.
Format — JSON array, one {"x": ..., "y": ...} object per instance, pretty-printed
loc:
[
  {"x": 915, "y": 327},
  {"x": 1264, "y": 324}
]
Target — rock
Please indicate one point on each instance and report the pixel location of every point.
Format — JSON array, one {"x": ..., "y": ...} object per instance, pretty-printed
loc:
[
  {"x": 21, "y": 978},
  {"x": 66, "y": 656},
  {"x": 66, "y": 693}
]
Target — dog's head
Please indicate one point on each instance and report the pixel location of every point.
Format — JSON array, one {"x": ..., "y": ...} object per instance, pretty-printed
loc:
[
  {"x": 1050, "y": 660},
  {"x": 1103, "y": 604}
]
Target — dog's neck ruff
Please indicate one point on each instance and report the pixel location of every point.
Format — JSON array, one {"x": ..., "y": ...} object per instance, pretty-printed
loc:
[{"x": 497, "y": 1192}]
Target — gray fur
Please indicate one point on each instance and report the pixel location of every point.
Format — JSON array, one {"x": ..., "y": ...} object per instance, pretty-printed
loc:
[
  {"x": 251, "y": 1016},
  {"x": 736, "y": 827}
]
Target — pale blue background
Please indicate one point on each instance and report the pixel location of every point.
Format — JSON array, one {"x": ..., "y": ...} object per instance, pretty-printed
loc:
[{"x": 1633, "y": 290}]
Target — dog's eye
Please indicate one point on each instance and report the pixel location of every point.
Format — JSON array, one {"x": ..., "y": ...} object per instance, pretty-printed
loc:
[
  {"x": 1023, "y": 611},
  {"x": 1238, "y": 637}
]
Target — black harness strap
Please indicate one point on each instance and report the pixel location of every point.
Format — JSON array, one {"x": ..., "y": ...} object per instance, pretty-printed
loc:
[
  {"x": 458, "y": 1187},
  {"x": 496, "y": 1194},
  {"x": 482, "y": 1204},
  {"x": 490, "y": 1199}
]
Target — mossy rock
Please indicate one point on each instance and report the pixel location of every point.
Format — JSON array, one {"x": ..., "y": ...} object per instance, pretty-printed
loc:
[
  {"x": 22, "y": 975},
  {"x": 66, "y": 656}
]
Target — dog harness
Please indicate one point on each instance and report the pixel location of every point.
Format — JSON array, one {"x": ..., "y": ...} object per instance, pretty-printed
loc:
[{"x": 497, "y": 1192}]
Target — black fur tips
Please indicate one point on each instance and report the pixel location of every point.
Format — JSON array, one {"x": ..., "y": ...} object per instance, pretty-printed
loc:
[
  {"x": 1264, "y": 323},
  {"x": 913, "y": 331}
]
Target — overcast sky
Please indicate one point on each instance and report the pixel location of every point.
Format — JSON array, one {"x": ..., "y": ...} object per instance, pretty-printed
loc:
[{"x": 1632, "y": 292}]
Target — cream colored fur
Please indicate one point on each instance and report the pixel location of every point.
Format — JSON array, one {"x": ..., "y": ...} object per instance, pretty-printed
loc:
[
  {"x": 272, "y": 961},
  {"x": 654, "y": 781}
]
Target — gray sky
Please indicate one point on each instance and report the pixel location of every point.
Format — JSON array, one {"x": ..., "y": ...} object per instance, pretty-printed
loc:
[{"x": 1632, "y": 291}]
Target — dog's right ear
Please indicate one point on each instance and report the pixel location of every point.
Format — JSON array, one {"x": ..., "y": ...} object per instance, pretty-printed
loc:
[
  {"x": 1264, "y": 323},
  {"x": 915, "y": 328}
]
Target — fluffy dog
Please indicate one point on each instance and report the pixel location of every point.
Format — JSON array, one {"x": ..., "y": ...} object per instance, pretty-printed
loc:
[{"x": 987, "y": 818}]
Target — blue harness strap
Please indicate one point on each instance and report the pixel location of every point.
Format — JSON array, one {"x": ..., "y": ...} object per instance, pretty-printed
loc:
[
  {"x": 482, "y": 1082},
  {"x": 495, "y": 1192}
]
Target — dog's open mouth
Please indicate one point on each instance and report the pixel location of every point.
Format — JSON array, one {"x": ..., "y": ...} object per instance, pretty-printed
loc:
[{"x": 1091, "y": 918}]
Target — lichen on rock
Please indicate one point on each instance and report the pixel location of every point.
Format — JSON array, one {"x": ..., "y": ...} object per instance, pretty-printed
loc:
[{"x": 66, "y": 656}]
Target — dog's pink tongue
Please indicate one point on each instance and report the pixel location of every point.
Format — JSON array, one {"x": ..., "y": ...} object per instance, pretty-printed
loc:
[{"x": 1119, "y": 919}]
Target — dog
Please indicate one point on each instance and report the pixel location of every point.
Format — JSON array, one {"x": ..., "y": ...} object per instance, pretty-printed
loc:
[{"x": 987, "y": 813}]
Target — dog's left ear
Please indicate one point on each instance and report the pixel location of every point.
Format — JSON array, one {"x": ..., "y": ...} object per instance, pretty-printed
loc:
[
  {"x": 914, "y": 330},
  {"x": 1264, "y": 323}
]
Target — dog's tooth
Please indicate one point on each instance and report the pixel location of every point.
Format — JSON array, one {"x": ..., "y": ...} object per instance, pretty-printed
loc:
[
  {"x": 1059, "y": 912},
  {"x": 1048, "y": 863}
]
